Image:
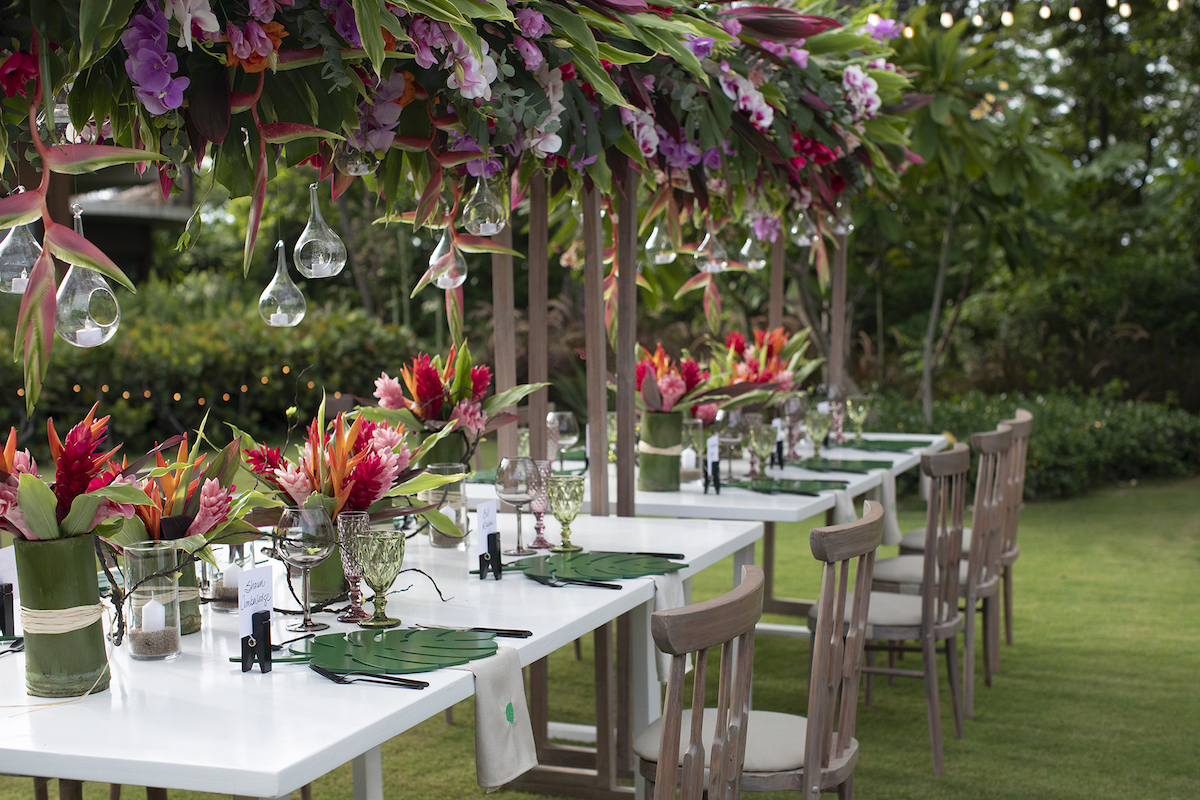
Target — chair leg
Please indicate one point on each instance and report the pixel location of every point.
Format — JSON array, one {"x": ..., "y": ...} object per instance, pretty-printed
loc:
[
  {"x": 987, "y": 642},
  {"x": 578, "y": 650},
  {"x": 892, "y": 663},
  {"x": 869, "y": 679},
  {"x": 955, "y": 686},
  {"x": 448, "y": 716},
  {"x": 846, "y": 790},
  {"x": 932, "y": 706},
  {"x": 1006, "y": 579},
  {"x": 969, "y": 661},
  {"x": 991, "y": 637}
]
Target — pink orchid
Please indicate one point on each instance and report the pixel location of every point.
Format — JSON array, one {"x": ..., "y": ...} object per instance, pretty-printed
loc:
[
  {"x": 529, "y": 52},
  {"x": 108, "y": 509},
  {"x": 532, "y": 23}
]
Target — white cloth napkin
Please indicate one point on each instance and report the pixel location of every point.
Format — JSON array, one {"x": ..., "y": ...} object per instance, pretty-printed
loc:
[
  {"x": 668, "y": 594},
  {"x": 504, "y": 748},
  {"x": 843, "y": 507},
  {"x": 886, "y": 494}
]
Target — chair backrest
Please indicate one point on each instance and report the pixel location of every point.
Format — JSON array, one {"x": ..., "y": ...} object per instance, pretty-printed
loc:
[
  {"x": 987, "y": 523},
  {"x": 943, "y": 533},
  {"x": 727, "y": 621},
  {"x": 1021, "y": 425},
  {"x": 837, "y": 645}
]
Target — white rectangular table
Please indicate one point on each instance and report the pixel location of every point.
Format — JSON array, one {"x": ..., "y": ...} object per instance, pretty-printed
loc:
[{"x": 198, "y": 722}]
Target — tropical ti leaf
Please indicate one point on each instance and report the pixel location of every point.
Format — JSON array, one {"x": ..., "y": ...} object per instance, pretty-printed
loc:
[{"x": 396, "y": 652}]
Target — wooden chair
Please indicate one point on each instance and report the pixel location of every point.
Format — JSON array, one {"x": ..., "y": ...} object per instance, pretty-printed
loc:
[
  {"x": 931, "y": 617},
  {"x": 1022, "y": 426},
  {"x": 784, "y": 751},
  {"x": 979, "y": 569}
]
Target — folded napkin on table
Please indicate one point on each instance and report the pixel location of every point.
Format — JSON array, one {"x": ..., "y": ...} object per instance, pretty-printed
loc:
[
  {"x": 504, "y": 748},
  {"x": 843, "y": 508},
  {"x": 886, "y": 494},
  {"x": 668, "y": 594}
]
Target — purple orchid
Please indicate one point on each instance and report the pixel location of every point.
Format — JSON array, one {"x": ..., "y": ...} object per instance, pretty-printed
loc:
[
  {"x": 532, "y": 23},
  {"x": 701, "y": 46}
]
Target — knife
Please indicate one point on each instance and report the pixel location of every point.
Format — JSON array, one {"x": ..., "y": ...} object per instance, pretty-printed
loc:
[
  {"x": 669, "y": 556},
  {"x": 503, "y": 633}
]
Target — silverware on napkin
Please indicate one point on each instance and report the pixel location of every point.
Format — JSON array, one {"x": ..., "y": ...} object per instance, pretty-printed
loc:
[
  {"x": 554, "y": 580},
  {"x": 368, "y": 677}
]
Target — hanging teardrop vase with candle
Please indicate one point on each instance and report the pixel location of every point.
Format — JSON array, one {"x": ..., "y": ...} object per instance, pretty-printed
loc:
[
  {"x": 711, "y": 255},
  {"x": 281, "y": 305},
  {"x": 484, "y": 214},
  {"x": 319, "y": 252},
  {"x": 448, "y": 264},
  {"x": 18, "y": 253},
  {"x": 351, "y": 160},
  {"x": 802, "y": 232},
  {"x": 87, "y": 313},
  {"x": 659, "y": 246},
  {"x": 752, "y": 255}
]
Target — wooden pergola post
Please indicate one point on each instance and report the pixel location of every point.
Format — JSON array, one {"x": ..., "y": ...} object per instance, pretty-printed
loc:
[
  {"x": 775, "y": 298},
  {"x": 596, "y": 345},
  {"x": 837, "y": 314},
  {"x": 627, "y": 246},
  {"x": 505, "y": 341},
  {"x": 539, "y": 299}
]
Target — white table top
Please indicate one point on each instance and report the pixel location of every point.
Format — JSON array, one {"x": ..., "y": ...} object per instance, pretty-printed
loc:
[
  {"x": 198, "y": 722},
  {"x": 690, "y": 502}
]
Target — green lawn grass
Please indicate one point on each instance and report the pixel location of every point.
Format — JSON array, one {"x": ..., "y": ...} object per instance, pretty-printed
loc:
[{"x": 1096, "y": 698}]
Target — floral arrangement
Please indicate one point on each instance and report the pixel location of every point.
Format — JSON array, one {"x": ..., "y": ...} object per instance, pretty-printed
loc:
[
  {"x": 84, "y": 497},
  {"x": 770, "y": 357},
  {"x": 671, "y": 383},
  {"x": 449, "y": 397}
]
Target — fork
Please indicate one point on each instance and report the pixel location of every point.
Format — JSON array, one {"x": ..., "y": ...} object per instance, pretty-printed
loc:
[
  {"x": 555, "y": 581},
  {"x": 354, "y": 677},
  {"x": 16, "y": 645}
]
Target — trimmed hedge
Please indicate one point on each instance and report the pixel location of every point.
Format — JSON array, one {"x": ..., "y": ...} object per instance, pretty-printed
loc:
[
  {"x": 1078, "y": 440},
  {"x": 167, "y": 355}
]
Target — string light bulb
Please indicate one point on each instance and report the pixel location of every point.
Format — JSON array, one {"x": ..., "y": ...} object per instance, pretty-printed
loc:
[
  {"x": 1172, "y": 5},
  {"x": 1124, "y": 9},
  {"x": 977, "y": 20},
  {"x": 1112, "y": 3},
  {"x": 908, "y": 31},
  {"x": 947, "y": 18},
  {"x": 1044, "y": 11},
  {"x": 873, "y": 18},
  {"x": 1075, "y": 14},
  {"x": 1006, "y": 17}
]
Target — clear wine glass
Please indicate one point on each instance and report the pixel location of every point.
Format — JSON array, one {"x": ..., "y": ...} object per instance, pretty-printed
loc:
[
  {"x": 350, "y": 523},
  {"x": 568, "y": 432},
  {"x": 762, "y": 444},
  {"x": 566, "y": 498},
  {"x": 512, "y": 486},
  {"x": 304, "y": 537},
  {"x": 818, "y": 423},
  {"x": 730, "y": 434},
  {"x": 794, "y": 410},
  {"x": 538, "y": 486},
  {"x": 381, "y": 554},
  {"x": 749, "y": 420},
  {"x": 857, "y": 408}
]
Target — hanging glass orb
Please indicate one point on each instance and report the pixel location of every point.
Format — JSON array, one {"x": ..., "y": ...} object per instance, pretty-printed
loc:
[
  {"x": 802, "y": 232},
  {"x": 18, "y": 253},
  {"x": 281, "y": 305},
  {"x": 659, "y": 247},
  {"x": 711, "y": 255},
  {"x": 484, "y": 213},
  {"x": 752, "y": 255},
  {"x": 447, "y": 262},
  {"x": 351, "y": 160},
  {"x": 86, "y": 311},
  {"x": 319, "y": 252}
]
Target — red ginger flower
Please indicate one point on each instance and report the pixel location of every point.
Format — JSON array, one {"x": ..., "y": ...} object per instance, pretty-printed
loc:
[
  {"x": 640, "y": 372},
  {"x": 264, "y": 460},
  {"x": 737, "y": 343},
  {"x": 481, "y": 377},
  {"x": 691, "y": 373},
  {"x": 77, "y": 458},
  {"x": 425, "y": 386}
]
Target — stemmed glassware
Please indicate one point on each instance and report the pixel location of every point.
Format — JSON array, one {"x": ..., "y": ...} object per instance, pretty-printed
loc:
[
  {"x": 794, "y": 411},
  {"x": 749, "y": 420},
  {"x": 730, "y": 434},
  {"x": 857, "y": 408},
  {"x": 304, "y": 537},
  {"x": 568, "y": 432},
  {"x": 350, "y": 523},
  {"x": 512, "y": 486},
  {"x": 818, "y": 423},
  {"x": 566, "y": 498},
  {"x": 540, "y": 504},
  {"x": 762, "y": 444},
  {"x": 380, "y": 554}
]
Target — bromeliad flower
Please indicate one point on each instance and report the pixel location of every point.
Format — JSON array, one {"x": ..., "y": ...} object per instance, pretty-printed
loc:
[{"x": 77, "y": 458}]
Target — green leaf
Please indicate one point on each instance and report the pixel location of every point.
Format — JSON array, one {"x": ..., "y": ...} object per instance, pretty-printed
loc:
[
  {"x": 395, "y": 651},
  {"x": 38, "y": 503},
  {"x": 443, "y": 523},
  {"x": 125, "y": 531},
  {"x": 122, "y": 493},
  {"x": 510, "y": 397},
  {"x": 91, "y": 15},
  {"x": 83, "y": 511},
  {"x": 366, "y": 17},
  {"x": 424, "y": 482},
  {"x": 433, "y": 439}
]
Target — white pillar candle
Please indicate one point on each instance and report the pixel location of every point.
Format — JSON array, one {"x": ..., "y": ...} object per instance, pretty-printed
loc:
[
  {"x": 322, "y": 269},
  {"x": 19, "y": 284},
  {"x": 154, "y": 616},
  {"x": 687, "y": 459},
  {"x": 230, "y": 575},
  {"x": 90, "y": 335},
  {"x": 279, "y": 319}
]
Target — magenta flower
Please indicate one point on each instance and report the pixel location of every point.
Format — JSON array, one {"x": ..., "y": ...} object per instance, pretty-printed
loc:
[
  {"x": 470, "y": 417},
  {"x": 529, "y": 52},
  {"x": 731, "y": 26},
  {"x": 671, "y": 387},
  {"x": 701, "y": 46},
  {"x": 17, "y": 70},
  {"x": 151, "y": 71},
  {"x": 388, "y": 390},
  {"x": 800, "y": 56},
  {"x": 883, "y": 30},
  {"x": 706, "y": 413},
  {"x": 532, "y": 23}
]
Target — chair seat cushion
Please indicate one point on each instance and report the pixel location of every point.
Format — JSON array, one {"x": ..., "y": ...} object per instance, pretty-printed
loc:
[
  {"x": 915, "y": 540},
  {"x": 908, "y": 569},
  {"x": 887, "y": 609},
  {"x": 774, "y": 743}
]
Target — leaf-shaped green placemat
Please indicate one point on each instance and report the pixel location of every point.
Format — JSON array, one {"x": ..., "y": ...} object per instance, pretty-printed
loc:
[
  {"x": 885, "y": 445},
  {"x": 840, "y": 464},
  {"x": 788, "y": 485},
  {"x": 596, "y": 566},
  {"x": 397, "y": 651}
]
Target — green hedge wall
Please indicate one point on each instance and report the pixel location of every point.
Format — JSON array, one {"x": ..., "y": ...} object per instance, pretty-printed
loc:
[{"x": 1078, "y": 440}]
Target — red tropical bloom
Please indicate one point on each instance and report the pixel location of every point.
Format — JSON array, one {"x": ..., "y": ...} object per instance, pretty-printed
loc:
[
  {"x": 691, "y": 373},
  {"x": 481, "y": 377},
  {"x": 737, "y": 343},
  {"x": 77, "y": 458}
]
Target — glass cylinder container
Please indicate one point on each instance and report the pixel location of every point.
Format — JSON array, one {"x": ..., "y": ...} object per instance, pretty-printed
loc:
[
  {"x": 451, "y": 501},
  {"x": 153, "y": 600}
]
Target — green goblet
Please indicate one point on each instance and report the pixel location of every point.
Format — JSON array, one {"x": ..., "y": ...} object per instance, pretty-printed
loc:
[
  {"x": 857, "y": 408},
  {"x": 380, "y": 553},
  {"x": 818, "y": 423},
  {"x": 762, "y": 444},
  {"x": 566, "y": 498}
]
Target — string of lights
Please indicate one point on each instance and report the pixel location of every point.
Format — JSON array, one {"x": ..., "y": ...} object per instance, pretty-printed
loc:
[{"x": 1045, "y": 11}]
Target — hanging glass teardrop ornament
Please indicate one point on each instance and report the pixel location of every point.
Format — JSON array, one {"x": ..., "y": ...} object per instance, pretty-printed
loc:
[
  {"x": 448, "y": 264},
  {"x": 281, "y": 305},
  {"x": 351, "y": 160},
  {"x": 484, "y": 214},
  {"x": 87, "y": 313},
  {"x": 18, "y": 253},
  {"x": 711, "y": 255},
  {"x": 319, "y": 252},
  {"x": 802, "y": 232},
  {"x": 659, "y": 246},
  {"x": 752, "y": 255},
  {"x": 840, "y": 222}
]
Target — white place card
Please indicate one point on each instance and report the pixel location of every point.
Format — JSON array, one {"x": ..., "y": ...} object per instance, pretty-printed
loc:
[
  {"x": 485, "y": 521},
  {"x": 254, "y": 594},
  {"x": 714, "y": 449}
]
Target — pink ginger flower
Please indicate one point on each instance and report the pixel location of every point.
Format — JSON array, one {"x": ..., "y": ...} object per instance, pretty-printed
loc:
[
  {"x": 388, "y": 390},
  {"x": 295, "y": 482},
  {"x": 11, "y": 514},
  {"x": 470, "y": 418},
  {"x": 23, "y": 462},
  {"x": 671, "y": 387},
  {"x": 215, "y": 502},
  {"x": 706, "y": 413},
  {"x": 108, "y": 509}
]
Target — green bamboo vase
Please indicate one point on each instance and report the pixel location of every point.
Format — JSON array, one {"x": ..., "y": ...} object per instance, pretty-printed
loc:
[
  {"x": 54, "y": 574},
  {"x": 452, "y": 448},
  {"x": 189, "y": 610},
  {"x": 657, "y": 472},
  {"x": 326, "y": 580}
]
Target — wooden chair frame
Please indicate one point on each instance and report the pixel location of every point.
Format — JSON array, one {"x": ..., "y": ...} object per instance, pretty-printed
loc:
[{"x": 1022, "y": 426}]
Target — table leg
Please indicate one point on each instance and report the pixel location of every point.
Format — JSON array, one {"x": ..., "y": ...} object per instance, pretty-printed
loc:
[
  {"x": 643, "y": 680},
  {"x": 625, "y": 731},
  {"x": 70, "y": 790},
  {"x": 771, "y": 603},
  {"x": 368, "y": 775}
]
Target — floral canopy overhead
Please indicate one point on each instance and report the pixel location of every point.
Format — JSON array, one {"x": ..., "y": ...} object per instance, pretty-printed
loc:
[{"x": 756, "y": 109}]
